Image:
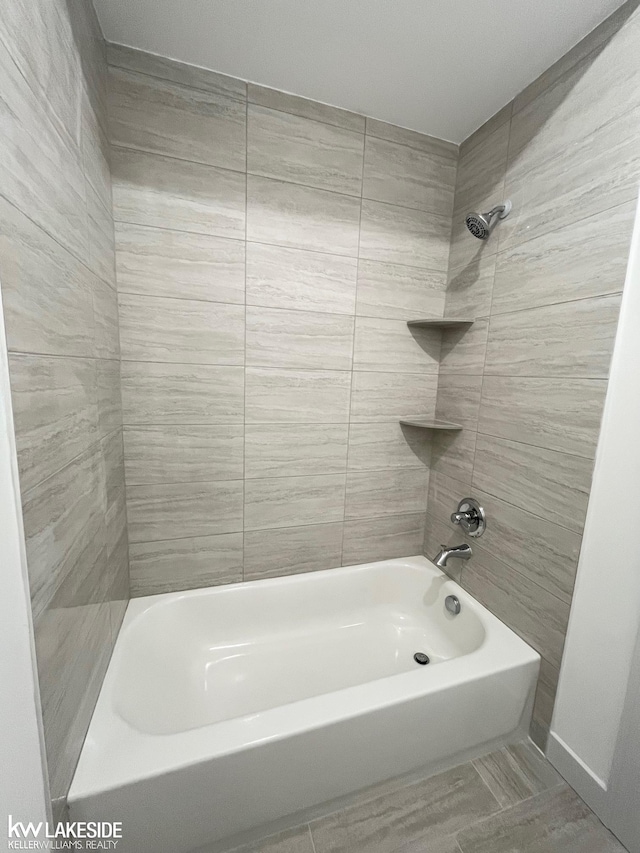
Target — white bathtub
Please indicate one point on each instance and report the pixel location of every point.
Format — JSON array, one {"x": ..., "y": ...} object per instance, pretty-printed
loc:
[{"x": 229, "y": 708}]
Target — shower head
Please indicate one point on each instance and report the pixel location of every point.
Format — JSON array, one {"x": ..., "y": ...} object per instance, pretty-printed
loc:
[{"x": 482, "y": 224}]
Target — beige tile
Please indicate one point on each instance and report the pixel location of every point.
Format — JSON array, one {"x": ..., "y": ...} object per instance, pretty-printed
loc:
[
  {"x": 42, "y": 170},
  {"x": 46, "y": 292},
  {"x": 405, "y": 176},
  {"x": 183, "y": 510},
  {"x": 533, "y": 613},
  {"x": 458, "y": 399},
  {"x": 177, "y": 564},
  {"x": 96, "y": 152},
  {"x": 559, "y": 414},
  {"x": 102, "y": 249},
  {"x": 516, "y": 773},
  {"x": 553, "y": 821},
  {"x": 393, "y": 291},
  {"x": 299, "y": 280},
  {"x": 552, "y": 485},
  {"x": 293, "y": 501},
  {"x": 109, "y": 395},
  {"x": 403, "y": 136},
  {"x": 371, "y": 494},
  {"x": 398, "y": 235},
  {"x": 391, "y": 345},
  {"x": 437, "y": 806},
  {"x": 544, "y": 700},
  {"x": 556, "y": 268},
  {"x": 276, "y": 100},
  {"x": 375, "y": 446},
  {"x": 298, "y": 339},
  {"x": 112, "y": 450},
  {"x": 168, "y": 193},
  {"x": 291, "y": 450},
  {"x": 370, "y": 539},
  {"x": 168, "y": 69},
  {"x": 105, "y": 315},
  {"x": 481, "y": 171},
  {"x": 153, "y": 328},
  {"x": 297, "y": 396},
  {"x": 291, "y": 148},
  {"x": 485, "y": 130},
  {"x": 452, "y": 453},
  {"x": 585, "y": 90},
  {"x": 597, "y": 173},
  {"x": 155, "y": 115},
  {"x": 64, "y": 527},
  {"x": 73, "y": 647},
  {"x": 291, "y": 550},
  {"x": 93, "y": 55},
  {"x": 157, "y": 262},
  {"x": 116, "y": 514},
  {"x": 544, "y": 552},
  {"x": 390, "y": 396},
  {"x": 427, "y": 845},
  {"x": 55, "y": 413},
  {"x": 296, "y": 840},
  {"x": 301, "y": 217},
  {"x": 187, "y": 394},
  {"x": 183, "y": 454},
  {"x": 570, "y": 339},
  {"x": 41, "y": 43},
  {"x": 464, "y": 350},
  {"x": 469, "y": 288}
]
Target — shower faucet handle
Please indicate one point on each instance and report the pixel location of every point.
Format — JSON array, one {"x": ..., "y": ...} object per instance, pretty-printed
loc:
[{"x": 470, "y": 516}]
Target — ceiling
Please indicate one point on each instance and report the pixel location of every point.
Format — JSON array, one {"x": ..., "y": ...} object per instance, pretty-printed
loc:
[{"x": 441, "y": 67}]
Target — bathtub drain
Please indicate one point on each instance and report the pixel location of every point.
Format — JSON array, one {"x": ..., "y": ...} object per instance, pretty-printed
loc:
[{"x": 421, "y": 658}]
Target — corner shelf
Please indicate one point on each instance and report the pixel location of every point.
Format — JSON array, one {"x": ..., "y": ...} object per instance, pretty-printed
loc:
[
  {"x": 430, "y": 423},
  {"x": 442, "y": 323}
]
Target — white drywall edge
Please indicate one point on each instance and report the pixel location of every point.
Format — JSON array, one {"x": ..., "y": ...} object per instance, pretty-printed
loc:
[{"x": 605, "y": 612}]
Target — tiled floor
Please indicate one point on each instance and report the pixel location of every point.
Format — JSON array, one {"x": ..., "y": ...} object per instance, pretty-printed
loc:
[{"x": 511, "y": 801}]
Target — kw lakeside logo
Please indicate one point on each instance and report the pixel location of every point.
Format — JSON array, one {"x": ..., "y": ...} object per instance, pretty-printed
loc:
[{"x": 70, "y": 835}]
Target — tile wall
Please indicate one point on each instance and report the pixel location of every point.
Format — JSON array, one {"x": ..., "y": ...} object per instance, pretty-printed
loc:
[
  {"x": 270, "y": 250},
  {"x": 57, "y": 273},
  {"x": 528, "y": 379}
]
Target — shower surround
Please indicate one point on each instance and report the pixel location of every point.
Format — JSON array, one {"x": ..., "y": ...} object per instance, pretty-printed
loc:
[{"x": 261, "y": 423}]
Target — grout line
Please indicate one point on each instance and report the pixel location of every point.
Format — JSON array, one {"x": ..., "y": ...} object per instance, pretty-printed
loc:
[
  {"x": 244, "y": 374},
  {"x": 248, "y": 173},
  {"x": 313, "y": 845},
  {"x": 237, "y": 99},
  {"x": 491, "y": 435},
  {"x": 342, "y": 473},
  {"x": 238, "y": 364},
  {"x": 353, "y": 345},
  {"x": 289, "y": 527},
  {"x": 255, "y": 242}
]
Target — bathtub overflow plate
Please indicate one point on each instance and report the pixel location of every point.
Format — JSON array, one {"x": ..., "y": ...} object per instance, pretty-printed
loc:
[{"x": 421, "y": 658}]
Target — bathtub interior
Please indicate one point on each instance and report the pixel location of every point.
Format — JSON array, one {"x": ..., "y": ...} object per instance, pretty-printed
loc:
[{"x": 199, "y": 658}]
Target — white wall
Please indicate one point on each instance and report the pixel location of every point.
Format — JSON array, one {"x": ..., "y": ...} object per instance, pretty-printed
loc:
[
  {"x": 605, "y": 613},
  {"x": 23, "y": 790}
]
